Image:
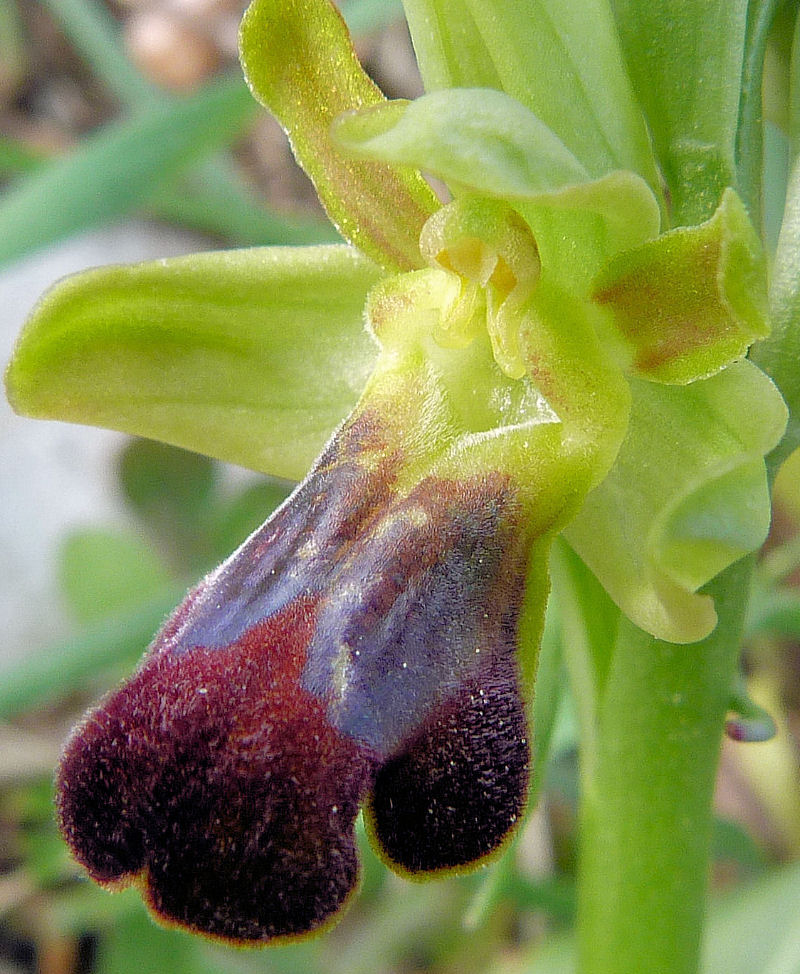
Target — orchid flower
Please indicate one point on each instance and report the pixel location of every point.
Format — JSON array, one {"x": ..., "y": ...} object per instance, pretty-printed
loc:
[{"x": 559, "y": 347}]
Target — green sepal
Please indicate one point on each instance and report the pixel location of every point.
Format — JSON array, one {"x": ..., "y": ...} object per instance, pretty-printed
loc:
[
  {"x": 473, "y": 138},
  {"x": 689, "y": 302},
  {"x": 562, "y": 61},
  {"x": 686, "y": 497},
  {"x": 299, "y": 61},
  {"x": 104, "y": 573},
  {"x": 251, "y": 356},
  {"x": 450, "y": 50}
]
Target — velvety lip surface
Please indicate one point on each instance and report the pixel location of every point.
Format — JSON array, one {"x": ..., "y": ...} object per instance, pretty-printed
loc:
[{"x": 360, "y": 647}]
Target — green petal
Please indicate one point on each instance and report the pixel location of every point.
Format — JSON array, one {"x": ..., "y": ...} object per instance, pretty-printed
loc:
[
  {"x": 691, "y": 301},
  {"x": 250, "y": 356},
  {"x": 685, "y": 60},
  {"x": 561, "y": 60},
  {"x": 299, "y": 62},
  {"x": 686, "y": 497},
  {"x": 473, "y": 138}
]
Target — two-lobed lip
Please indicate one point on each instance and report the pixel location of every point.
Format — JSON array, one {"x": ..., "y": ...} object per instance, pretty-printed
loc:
[{"x": 358, "y": 650}]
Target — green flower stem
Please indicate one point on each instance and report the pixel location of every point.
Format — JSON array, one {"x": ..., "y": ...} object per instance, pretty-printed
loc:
[{"x": 653, "y": 716}]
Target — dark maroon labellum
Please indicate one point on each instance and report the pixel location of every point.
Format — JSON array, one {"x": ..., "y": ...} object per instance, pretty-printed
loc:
[{"x": 358, "y": 648}]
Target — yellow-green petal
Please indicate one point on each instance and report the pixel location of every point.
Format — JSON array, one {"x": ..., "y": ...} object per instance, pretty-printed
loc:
[
  {"x": 693, "y": 300},
  {"x": 687, "y": 497}
]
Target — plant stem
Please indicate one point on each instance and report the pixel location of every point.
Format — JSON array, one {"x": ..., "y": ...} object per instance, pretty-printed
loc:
[{"x": 651, "y": 736}]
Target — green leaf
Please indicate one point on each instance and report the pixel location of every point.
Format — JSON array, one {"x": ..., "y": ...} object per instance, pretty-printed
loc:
[
  {"x": 685, "y": 61},
  {"x": 451, "y": 53},
  {"x": 245, "y": 513},
  {"x": 134, "y": 942},
  {"x": 13, "y": 54},
  {"x": 779, "y": 354},
  {"x": 58, "y": 671},
  {"x": 215, "y": 199},
  {"x": 732, "y": 843},
  {"x": 104, "y": 572},
  {"x": 119, "y": 167},
  {"x": 250, "y": 356},
  {"x": 561, "y": 60},
  {"x": 473, "y": 138},
  {"x": 175, "y": 493},
  {"x": 793, "y": 127},
  {"x": 691, "y": 301},
  {"x": 300, "y": 64},
  {"x": 96, "y": 36},
  {"x": 364, "y": 16},
  {"x": 164, "y": 484},
  {"x": 775, "y": 613},
  {"x": 18, "y": 157},
  {"x": 686, "y": 497},
  {"x": 755, "y": 930},
  {"x": 546, "y": 702},
  {"x": 590, "y": 622},
  {"x": 749, "y": 146}
]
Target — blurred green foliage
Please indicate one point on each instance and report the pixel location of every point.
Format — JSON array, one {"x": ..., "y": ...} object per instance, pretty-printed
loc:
[{"x": 511, "y": 916}]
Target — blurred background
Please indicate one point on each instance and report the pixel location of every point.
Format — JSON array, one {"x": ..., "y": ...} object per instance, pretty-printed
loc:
[{"x": 127, "y": 133}]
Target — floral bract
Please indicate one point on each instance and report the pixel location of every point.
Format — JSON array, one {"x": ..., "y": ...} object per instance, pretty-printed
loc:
[{"x": 543, "y": 353}]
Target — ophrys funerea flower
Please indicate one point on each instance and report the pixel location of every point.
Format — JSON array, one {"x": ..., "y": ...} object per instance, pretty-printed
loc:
[{"x": 544, "y": 359}]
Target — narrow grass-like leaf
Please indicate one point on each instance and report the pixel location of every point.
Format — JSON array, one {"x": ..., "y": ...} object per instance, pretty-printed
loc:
[
  {"x": 58, "y": 671},
  {"x": 106, "y": 572},
  {"x": 120, "y": 166},
  {"x": 17, "y": 157},
  {"x": 13, "y": 56},
  {"x": 213, "y": 198},
  {"x": 97, "y": 38}
]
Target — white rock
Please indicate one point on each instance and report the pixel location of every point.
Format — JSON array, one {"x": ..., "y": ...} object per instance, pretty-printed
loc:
[{"x": 55, "y": 476}]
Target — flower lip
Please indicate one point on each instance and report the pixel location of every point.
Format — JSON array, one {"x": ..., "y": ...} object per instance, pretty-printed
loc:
[
  {"x": 359, "y": 647},
  {"x": 196, "y": 781}
]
